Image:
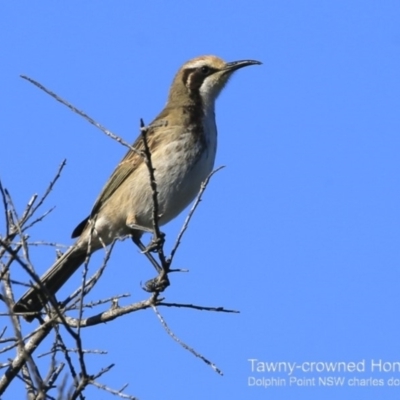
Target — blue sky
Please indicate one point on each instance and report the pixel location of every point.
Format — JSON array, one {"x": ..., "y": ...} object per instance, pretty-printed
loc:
[{"x": 300, "y": 231}]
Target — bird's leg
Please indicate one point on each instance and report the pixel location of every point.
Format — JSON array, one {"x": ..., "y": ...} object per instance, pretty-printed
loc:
[
  {"x": 156, "y": 243},
  {"x": 161, "y": 281},
  {"x": 144, "y": 250}
]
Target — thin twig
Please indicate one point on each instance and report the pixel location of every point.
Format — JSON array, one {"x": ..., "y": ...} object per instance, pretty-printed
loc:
[
  {"x": 191, "y": 212},
  {"x": 54, "y": 375},
  {"x": 2, "y": 334},
  {"x": 114, "y": 392},
  {"x": 20, "y": 360},
  {"x": 39, "y": 219},
  {"x": 201, "y": 308},
  {"x": 153, "y": 184},
  {"x": 27, "y": 212},
  {"x": 57, "y": 348},
  {"x": 89, "y": 284},
  {"x": 82, "y": 114},
  {"x": 7, "y": 266},
  {"x": 5, "y": 206},
  {"x": 60, "y": 343},
  {"x": 93, "y": 304},
  {"x": 31, "y": 209},
  {"x": 184, "y": 345}
]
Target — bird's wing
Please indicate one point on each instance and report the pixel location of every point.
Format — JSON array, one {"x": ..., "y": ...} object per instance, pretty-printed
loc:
[{"x": 129, "y": 164}]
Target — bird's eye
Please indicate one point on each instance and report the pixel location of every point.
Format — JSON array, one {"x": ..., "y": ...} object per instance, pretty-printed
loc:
[{"x": 205, "y": 69}]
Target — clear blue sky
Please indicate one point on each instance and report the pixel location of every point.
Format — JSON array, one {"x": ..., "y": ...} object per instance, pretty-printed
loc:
[{"x": 301, "y": 231}]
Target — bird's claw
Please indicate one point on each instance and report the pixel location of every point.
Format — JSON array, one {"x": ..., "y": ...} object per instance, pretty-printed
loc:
[
  {"x": 155, "y": 244},
  {"x": 157, "y": 284}
]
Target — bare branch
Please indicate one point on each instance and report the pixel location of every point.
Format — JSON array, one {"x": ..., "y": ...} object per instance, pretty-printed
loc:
[
  {"x": 184, "y": 345},
  {"x": 20, "y": 359},
  {"x": 114, "y": 392},
  {"x": 5, "y": 206},
  {"x": 82, "y": 114},
  {"x": 159, "y": 237},
  {"x": 201, "y": 308},
  {"x": 191, "y": 212}
]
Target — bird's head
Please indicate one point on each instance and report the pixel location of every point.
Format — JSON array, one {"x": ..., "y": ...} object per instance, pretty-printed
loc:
[{"x": 203, "y": 78}]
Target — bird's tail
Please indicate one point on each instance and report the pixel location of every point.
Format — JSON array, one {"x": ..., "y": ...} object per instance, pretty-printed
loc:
[{"x": 52, "y": 280}]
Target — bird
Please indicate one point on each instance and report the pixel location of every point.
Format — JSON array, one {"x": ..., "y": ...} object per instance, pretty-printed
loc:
[{"x": 182, "y": 141}]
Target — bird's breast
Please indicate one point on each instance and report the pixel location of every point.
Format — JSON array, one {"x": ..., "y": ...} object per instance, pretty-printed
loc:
[
  {"x": 183, "y": 160},
  {"x": 191, "y": 159}
]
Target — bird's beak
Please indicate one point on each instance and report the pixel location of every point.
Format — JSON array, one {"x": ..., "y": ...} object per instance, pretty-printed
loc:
[{"x": 234, "y": 65}]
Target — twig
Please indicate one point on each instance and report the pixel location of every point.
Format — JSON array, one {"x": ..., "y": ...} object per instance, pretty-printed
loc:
[
  {"x": 7, "y": 266},
  {"x": 82, "y": 114},
  {"x": 20, "y": 359},
  {"x": 108, "y": 315},
  {"x": 93, "y": 279},
  {"x": 107, "y": 300},
  {"x": 50, "y": 187},
  {"x": 2, "y": 334},
  {"x": 115, "y": 392},
  {"x": 153, "y": 184},
  {"x": 60, "y": 343},
  {"x": 57, "y": 348},
  {"x": 5, "y": 205},
  {"x": 201, "y": 308},
  {"x": 184, "y": 345},
  {"x": 191, "y": 212},
  {"x": 39, "y": 219},
  {"x": 54, "y": 375}
]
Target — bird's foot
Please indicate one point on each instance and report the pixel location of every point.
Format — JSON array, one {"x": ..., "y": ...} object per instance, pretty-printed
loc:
[
  {"x": 155, "y": 244},
  {"x": 157, "y": 284}
]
